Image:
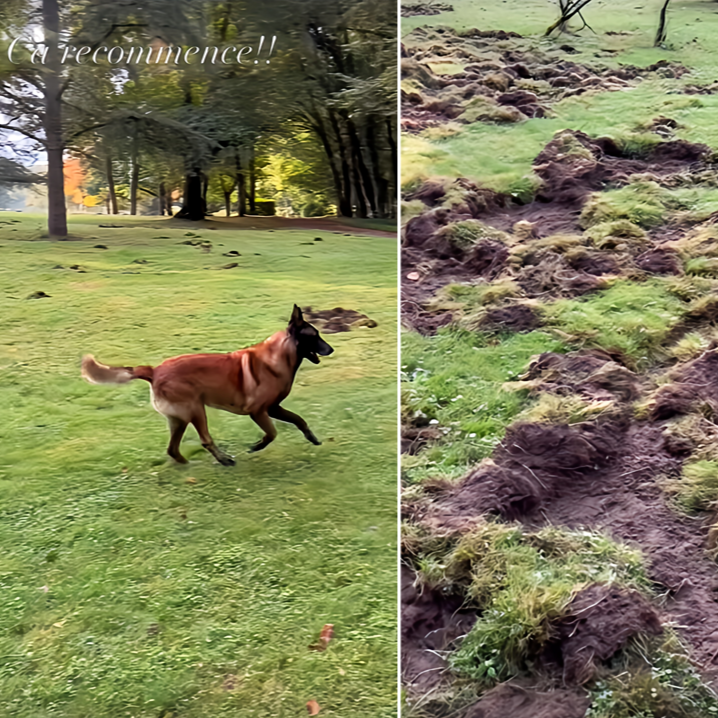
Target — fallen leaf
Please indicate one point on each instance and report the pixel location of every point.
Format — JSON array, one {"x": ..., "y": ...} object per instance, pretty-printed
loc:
[
  {"x": 190, "y": 480},
  {"x": 342, "y": 672},
  {"x": 413, "y": 276},
  {"x": 59, "y": 624},
  {"x": 313, "y": 708},
  {"x": 44, "y": 589},
  {"x": 325, "y": 636}
]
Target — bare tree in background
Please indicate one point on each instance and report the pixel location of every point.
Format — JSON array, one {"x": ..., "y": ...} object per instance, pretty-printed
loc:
[
  {"x": 661, "y": 33},
  {"x": 568, "y": 9}
]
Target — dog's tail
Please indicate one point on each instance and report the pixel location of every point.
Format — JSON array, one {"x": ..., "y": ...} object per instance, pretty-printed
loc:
[{"x": 97, "y": 373}]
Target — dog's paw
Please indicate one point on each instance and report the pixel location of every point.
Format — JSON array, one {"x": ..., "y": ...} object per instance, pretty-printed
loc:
[
  {"x": 226, "y": 460},
  {"x": 313, "y": 439}
]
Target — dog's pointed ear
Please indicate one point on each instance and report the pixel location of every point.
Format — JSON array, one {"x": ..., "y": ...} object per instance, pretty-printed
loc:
[{"x": 297, "y": 316}]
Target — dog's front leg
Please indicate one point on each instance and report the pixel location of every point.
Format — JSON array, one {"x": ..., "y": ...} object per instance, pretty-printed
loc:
[
  {"x": 265, "y": 424},
  {"x": 282, "y": 414}
]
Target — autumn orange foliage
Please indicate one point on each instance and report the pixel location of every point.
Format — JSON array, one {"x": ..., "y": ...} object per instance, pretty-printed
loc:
[{"x": 74, "y": 179}]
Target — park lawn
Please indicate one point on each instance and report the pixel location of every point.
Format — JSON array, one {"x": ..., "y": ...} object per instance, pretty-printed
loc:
[{"x": 133, "y": 587}]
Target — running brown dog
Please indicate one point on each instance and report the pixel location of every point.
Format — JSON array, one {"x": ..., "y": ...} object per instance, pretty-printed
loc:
[{"x": 251, "y": 381}]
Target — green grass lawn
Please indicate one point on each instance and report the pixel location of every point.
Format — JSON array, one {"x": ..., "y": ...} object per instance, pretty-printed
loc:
[{"x": 133, "y": 587}]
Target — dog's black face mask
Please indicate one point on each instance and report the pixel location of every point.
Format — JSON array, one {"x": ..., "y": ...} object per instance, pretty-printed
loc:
[{"x": 309, "y": 344}]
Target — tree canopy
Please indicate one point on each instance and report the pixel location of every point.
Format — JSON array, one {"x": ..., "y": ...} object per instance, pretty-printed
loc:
[{"x": 303, "y": 108}]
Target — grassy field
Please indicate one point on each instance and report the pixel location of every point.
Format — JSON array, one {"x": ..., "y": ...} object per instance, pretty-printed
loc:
[{"x": 134, "y": 587}]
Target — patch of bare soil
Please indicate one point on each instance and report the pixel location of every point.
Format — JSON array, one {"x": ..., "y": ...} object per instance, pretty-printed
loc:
[
  {"x": 512, "y": 317},
  {"x": 593, "y": 374},
  {"x": 420, "y": 9},
  {"x": 515, "y": 83},
  {"x": 333, "y": 321},
  {"x": 695, "y": 382},
  {"x": 571, "y": 167},
  {"x": 513, "y": 701},
  {"x": 598, "y": 623},
  {"x": 431, "y": 623},
  {"x": 603, "y": 477}
]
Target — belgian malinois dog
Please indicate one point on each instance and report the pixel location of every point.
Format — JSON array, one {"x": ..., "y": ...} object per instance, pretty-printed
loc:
[{"x": 251, "y": 381}]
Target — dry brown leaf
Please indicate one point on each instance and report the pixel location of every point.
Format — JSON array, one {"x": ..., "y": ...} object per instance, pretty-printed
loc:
[
  {"x": 190, "y": 480},
  {"x": 313, "y": 708},
  {"x": 325, "y": 636}
]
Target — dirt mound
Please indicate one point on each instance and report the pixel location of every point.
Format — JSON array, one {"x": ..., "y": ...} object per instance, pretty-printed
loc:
[
  {"x": 553, "y": 276},
  {"x": 593, "y": 374},
  {"x": 660, "y": 260},
  {"x": 512, "y": 701},
  {"x": 696, "y": 381},
  {"x": 333, "y": 321},
  {"x": 486, "y": 259},
  {"x": 572, "y": 165},
  {"x": 418, "y": 9},
  {"x": 512, "y": 317},
  {"x": 430, "y": 623},
  {"x": 595, "y": 263},
  {"x": 416, "y": 435},
  {"x": 430, "y": 193},
  {"x": 534, "y": 463},
  {"x": 599, "y": 622},
  {"x": 517, "y": 83}
]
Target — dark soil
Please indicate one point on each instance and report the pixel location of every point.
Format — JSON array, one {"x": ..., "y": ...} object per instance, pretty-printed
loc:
[
  {"x": 695, "y": 382},
  {"x": 533, "y": 465},
  {"x": 600, "y": 477},
  {"x": 425, "y": 9},
  {"x": 430, "y": 622},
  {"x": 659, "y": 261},
  {"x": 512, "y": 317},
  {"x": 593, "y": 374},
  {"x": 569, "y": 177},
  {"x": 599, "y": 621},
  {"x": 496, "y": 79},
  {"x": 512, "y": 701}
]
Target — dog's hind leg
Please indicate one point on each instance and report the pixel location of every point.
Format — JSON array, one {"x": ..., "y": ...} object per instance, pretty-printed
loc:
[
  {"x": 177, "y": 429},
  {"x": 282, "y": 414},
  {"x": 199, "y": 421},
  {"x": 270, "y": 432}
]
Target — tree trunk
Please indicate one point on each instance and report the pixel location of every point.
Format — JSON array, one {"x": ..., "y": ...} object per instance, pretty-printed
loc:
[
  {"x": 365, "y": 186},
  {"x": 57, "y": 211},
  {"x": 568, "y": 11},
  {"x": 342, "y": 204},
  {"x": 347, "y": 210},
  {"x": 193, "y": 206},
  {"x": 228, "y": 202},
  {"x": 163, "y": 199},
  {"x": 661, "y": 33},
  {"x": 241, "y": 186},
  {"x": 111, "y": 193},
  {"x": 168, "y": 203},
  {"x": 135, "y": 176},
  {"x": 394, "y": 163},
  {"x": 382, "y": 183},
  {"x": 252, "y": 184}
]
